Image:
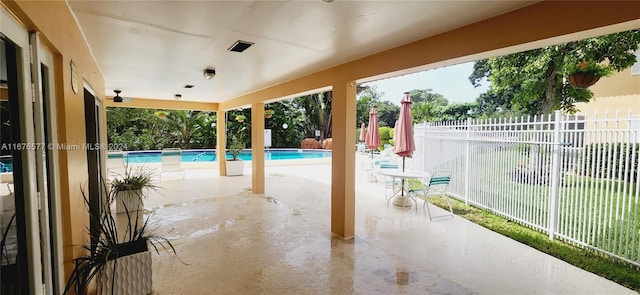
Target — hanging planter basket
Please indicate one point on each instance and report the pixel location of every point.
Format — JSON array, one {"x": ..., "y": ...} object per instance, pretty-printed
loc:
[
  {"x": 162, "y": 115},
  {"x": 240, "y": 118},
  {"x": 586, "y": 73},
  {"x": 268, "y": 113},
  {"x": 583, "y": 80}
]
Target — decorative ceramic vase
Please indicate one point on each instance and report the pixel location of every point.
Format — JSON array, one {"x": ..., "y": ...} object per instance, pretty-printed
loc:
[
  {"x": 131, "y": 200},
  {"x": 235, "y": 168},
  {"x": 132, "y": 275}
]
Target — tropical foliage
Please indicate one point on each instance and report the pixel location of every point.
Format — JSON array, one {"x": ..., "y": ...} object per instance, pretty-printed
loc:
[{"x": 533, "y": 82}]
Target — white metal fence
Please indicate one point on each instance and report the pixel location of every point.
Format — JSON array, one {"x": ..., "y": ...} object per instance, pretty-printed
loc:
[{"x": 575, "y": 178}]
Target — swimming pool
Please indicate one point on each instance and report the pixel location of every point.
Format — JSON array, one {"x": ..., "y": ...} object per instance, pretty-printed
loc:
[
  {"x": 6, "y": 164},
  {"x": 210, "y": 155}
]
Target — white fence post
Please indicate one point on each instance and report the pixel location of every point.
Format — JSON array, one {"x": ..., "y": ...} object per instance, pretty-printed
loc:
[
  {"x": 467, "y": 162},
  {"x": 555, "y": 175}
]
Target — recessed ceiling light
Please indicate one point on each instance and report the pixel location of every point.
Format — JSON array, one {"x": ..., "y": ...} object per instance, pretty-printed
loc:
[
  {"x": 209, "y": 73},
  {"x": 240, "y": 46}
]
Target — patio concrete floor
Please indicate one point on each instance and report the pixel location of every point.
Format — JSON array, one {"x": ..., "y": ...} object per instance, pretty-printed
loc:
[{"x": 236, "y": 242}]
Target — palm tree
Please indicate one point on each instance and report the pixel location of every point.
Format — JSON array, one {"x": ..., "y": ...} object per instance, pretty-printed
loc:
[
  {"x": 185, "y": 125},
  {"x": 423, "y": 111}
]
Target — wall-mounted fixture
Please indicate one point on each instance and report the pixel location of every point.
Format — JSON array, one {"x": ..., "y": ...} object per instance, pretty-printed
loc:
[
  {"x": 117, "y": 98},
  {"x": 209, "y": 73}
]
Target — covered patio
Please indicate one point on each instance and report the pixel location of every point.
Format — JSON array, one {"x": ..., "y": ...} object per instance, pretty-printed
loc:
[{"x": 237, "y": 242}]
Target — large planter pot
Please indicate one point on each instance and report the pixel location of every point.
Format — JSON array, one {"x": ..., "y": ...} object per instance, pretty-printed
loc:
[
  {"x": 583, "y": 80},
  {"x": 132, "y": 199},
  {"x": 235, "y": 168},
  {"x": 132, "y": 275}
]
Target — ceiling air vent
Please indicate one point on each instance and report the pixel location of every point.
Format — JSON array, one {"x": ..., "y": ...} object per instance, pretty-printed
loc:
[
  {"x": 188, "y": 86},
  {"x": 240, "y": 46}
]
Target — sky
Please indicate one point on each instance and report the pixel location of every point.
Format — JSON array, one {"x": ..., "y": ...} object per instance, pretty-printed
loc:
[{"x": 451, "y": 81}]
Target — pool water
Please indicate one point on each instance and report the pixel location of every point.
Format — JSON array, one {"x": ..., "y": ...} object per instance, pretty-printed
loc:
[
  {"x": 6, "y": 166},
  {"x": 210, "y": 155}
]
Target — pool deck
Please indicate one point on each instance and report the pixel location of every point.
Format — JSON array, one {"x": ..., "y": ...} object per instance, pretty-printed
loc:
[{"x": 237, "y": 242}]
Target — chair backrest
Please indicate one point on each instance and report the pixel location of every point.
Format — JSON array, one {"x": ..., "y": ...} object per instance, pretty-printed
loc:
[
  {"x": 439, "y": 182},
  {"x": 171, "y": 158}
]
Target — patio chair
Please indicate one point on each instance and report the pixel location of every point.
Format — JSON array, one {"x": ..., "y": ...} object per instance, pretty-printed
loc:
[
  {"x": 171, "y": 158},
  {"x": 390, "y": 184},
  {"x": 436, "y": 186}
]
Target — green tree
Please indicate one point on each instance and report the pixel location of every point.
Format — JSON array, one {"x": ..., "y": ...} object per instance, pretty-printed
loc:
[
  {"x": 206, "y": 138},
  {"x": 240, "y": 130},
  {"x": 458, "y": 111},
  {"x": 424, "y": 112},
  {"x": 367, "y": 98},
  {"x": 286, "y": 112},
  {"x": 533, "y": 82},
  {"x": 317, "y": 113},
  {"x": 427, "y": 95},
  {"x": 185, "y": 125},
  {"x": 136, "y": 129},
  {"x": 388, "y": 113}
]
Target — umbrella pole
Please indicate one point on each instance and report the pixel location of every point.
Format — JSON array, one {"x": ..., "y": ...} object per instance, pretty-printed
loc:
[
  {"x": 402, "y": 187},
  {"x": 403, "y": 164}
]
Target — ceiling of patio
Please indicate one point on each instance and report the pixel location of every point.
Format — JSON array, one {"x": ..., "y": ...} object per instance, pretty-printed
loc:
[{"x": 152, "y": 49}]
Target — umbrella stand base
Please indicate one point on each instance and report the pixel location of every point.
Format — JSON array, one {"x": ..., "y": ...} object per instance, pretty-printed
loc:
[{"x": 402, "y": 201}]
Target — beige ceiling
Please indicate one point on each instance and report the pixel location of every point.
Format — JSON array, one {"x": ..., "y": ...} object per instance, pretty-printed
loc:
[{"x": 152, "y": 49}]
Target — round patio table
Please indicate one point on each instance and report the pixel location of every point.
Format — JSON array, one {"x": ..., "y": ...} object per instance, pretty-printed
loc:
[{"x": 400, "y": 194}]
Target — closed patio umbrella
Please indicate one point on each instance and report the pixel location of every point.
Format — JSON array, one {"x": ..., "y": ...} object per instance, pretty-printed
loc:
[
  {"x": 405, "y": 145},
  {"x": 395, "y": 131},
  {"x": 372, "y": 139},
  {"x": 363, "y": 132}
]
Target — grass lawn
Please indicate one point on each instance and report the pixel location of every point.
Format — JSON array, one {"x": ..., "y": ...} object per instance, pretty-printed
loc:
[{"x": 592, "y": 261}]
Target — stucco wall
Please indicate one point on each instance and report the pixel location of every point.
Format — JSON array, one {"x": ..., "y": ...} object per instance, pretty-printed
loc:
[{"x": 618, "y": 92}]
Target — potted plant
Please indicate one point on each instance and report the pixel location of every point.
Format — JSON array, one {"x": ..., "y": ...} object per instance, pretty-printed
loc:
[
  {"x": 129, "y": 189},
  {"x": 268, "y": 113},
  {"x": 235, "y": 165},
  {"x": 117, "y": 255},
  {"x": 240, "y": 118},
  {"x": 584, "y": 74}
]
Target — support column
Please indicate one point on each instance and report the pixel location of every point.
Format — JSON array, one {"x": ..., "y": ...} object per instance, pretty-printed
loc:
[
  {"x": 221, "y": 142},
  {"x": 257, "y": 148},
  {"x": 343, "y": 159}
]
